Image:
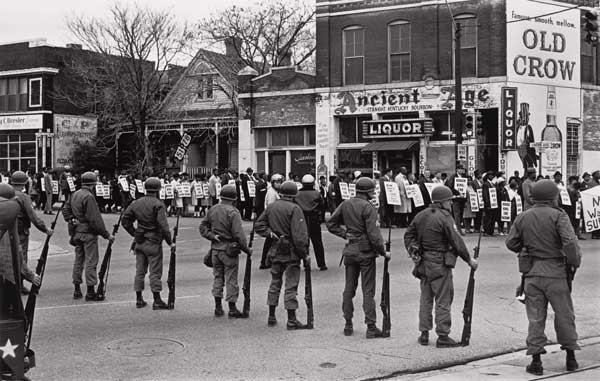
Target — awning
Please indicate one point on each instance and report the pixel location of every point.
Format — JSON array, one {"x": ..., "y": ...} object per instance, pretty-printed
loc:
[{"x": 392, "y": 145}]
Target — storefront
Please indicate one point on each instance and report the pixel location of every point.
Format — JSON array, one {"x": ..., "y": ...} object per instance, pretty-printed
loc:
[{"x": 20, "y": 142}]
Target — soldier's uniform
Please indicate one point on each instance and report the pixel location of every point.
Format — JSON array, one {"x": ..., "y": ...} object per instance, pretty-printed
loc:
[
  {"x": 223, "y": 227},
  {"x": 544, "y": 234},
  {"x": 83, "y": 215},
  {"x": 311, "y": 202},
  {"x": 271, "y": 196},
  {"x": 152, "y": 228},
  {"x": 434, "y": 232},
  {"x": 365, "y": 243},
  {"x": 26, "y": 215},
  {"x": 283, "y": 221}
]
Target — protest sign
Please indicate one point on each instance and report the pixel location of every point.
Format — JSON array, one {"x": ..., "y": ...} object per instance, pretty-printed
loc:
[
  {"x": 590, "y": 207},
  {"x": 392, "y": 193},
  {"x": 505, "y": 211},
  {"x": 493, "y": 198},
  {"x": 345, "y": 191},
  {"x": 460, "y": 184}
]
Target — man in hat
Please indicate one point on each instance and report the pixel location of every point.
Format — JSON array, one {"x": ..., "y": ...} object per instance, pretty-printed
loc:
[
  {"x": 434, "y": 233},
  {"x": 152, "y": 228},
  {"x": 544, "y": 235},
  {"x": 595, "y": 180},
  {"x": 311, "y": 202},
  {"x": 459, "y": 200},
  {"x": 248, "y": 201},
  {"x": 63, "y": 183},
  {"x": 26, "y": 216},
  {"x": 83, "y": 215},
  {"x": 283, "y": 222},
  {"x": 528, "y": 188},
  {"x": 47, "y": 190},
  {"x": 223, "y": 227}
]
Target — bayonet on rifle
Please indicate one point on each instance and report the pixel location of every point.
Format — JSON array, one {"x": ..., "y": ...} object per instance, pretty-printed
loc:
[{"x": 105, "y": 266}]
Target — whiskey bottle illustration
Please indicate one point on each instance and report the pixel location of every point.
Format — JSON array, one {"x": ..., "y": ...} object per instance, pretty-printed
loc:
[{"x": 551, "y": 157}]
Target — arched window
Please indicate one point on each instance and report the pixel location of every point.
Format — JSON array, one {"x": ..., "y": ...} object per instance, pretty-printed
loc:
[
  {"x": 353, "y": 53},
  {"x": 399, "y": 51},
  {"x": 468, "y": 44}
]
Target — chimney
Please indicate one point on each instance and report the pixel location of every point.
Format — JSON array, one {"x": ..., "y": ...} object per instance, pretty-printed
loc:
[
  {"x": 75, "y": 46},
  {"x": 233, "y": 46}
]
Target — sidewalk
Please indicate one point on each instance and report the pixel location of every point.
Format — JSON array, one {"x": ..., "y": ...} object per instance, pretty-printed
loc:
[{"x": 512, "y": 366}]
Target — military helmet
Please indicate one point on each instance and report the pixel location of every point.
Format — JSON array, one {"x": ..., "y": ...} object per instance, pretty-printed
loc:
[
  {"x": 89, "y": 178},
  {"x": 152, "y": 184},
  {"x": 276, "y": 177},
  {"x": 9, "y": 208},
  {"x": 365, "y": 185},
  {"x": 308, "y": 179},
  {"x": 544, "y": 190},
  {"x": 6, "y": 191},
  {"x": 441, "y": 193},
  {"x": 289, "y": 189},
  {"x": 19, "y": 178},
  {"x": 228, "y": 192}
]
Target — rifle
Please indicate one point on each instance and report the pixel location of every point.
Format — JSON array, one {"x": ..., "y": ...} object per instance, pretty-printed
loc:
[
  {"x": 468, "y": 307},
  {"x": 385, "y": 289},
  {"x": 310, "y": 316},
  {"x": 570, "y": 276},
  {"x": 39, "y": 270},
  {"x": 105, "y": 266},
  {"x": 171, "y": 276},
  {"x": 248, "y": 275}
]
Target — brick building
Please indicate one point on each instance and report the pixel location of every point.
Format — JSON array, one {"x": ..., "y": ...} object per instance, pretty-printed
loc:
[
  {"x": 38, "y": 129},
  {"x": 385, "y": 85}
]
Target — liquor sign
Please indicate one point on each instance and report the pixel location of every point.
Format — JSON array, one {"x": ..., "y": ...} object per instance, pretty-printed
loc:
[
  {"x": 543, "y": 43},
  {"x": 374, "y": 129},
  {"x": 509, "y": 118}
]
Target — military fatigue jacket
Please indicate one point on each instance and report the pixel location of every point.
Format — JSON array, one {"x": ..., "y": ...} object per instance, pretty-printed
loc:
[
  {"x": 548, "y": 236},
  {"x": 9, "y": 242},
  {"x": 82, "y": 206},
  {"x": 151, "y": 217},
  {"x": 26, "y": 214},
  {"x": 286, "y": 220},
  {"x": 225, "y": 221},
  {"x": 360, "y": 219},
  {"x": 309, "y": 200}
]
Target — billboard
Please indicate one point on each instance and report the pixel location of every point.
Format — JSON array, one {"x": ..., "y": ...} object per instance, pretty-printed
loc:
[
  {"x": 543, "y": 43},
  {"x": 69, "y": 130}
]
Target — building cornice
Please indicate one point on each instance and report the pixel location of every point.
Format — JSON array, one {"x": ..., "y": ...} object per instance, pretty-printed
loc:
[
  {"x": 34, "y": 70},
  {"x": 384, "y": 8}
]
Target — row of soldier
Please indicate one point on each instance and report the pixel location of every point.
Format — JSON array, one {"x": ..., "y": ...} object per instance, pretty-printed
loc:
[{"x": 285, "y": 224}]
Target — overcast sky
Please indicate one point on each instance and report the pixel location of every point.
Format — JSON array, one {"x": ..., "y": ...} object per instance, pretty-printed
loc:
[{"x": 29, "y": 19}]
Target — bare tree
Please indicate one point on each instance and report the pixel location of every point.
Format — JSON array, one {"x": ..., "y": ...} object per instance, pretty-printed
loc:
[
  {"x": 122, "y": 76},
  {"x": 267, "y": 34}
]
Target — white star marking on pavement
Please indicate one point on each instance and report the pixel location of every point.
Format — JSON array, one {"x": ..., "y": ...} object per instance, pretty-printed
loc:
[{"x": 8, "y": 349}]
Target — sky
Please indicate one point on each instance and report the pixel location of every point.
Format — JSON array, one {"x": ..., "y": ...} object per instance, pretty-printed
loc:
[{"x": 31, "y": 19}]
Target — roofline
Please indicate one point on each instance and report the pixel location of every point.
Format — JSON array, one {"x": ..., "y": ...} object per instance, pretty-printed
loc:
[{"x": 35, "y": 70}]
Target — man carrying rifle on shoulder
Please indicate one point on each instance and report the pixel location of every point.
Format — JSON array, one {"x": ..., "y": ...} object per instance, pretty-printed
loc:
[
  {"x": 152, "y": 228},
  {"x": 283, "y": 222},
  {"x": 26, "y": 216},
  {"x": 435, "y": 236},
  {"x": 365, "y": 243},
  {"x": 223, "y": 227},
  {"x": 85, "y": 225}
]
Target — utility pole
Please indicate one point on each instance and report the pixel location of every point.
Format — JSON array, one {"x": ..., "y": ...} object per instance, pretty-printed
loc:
[{"x": 458, "y": 116}]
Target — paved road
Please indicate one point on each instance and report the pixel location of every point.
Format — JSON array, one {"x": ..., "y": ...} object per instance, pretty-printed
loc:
[{"x": 76, "y": 340}]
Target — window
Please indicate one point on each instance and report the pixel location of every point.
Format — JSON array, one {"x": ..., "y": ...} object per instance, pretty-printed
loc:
[
  {"x": 35, "y": 92},
  {"x": 350, "y": 129},
  {"x": 443, "y": 125},
  {"x": 302, "y": 136},
  {"x": 572, "y": 147},
  {"x": 14, "y": 94},
  {"x": 588, "y": 62},
  {"x": 279, "y": 137},
  {"x": 3, "y": 94},
  {"x": 468, "y": 45},
  {"x": 205, "y": 87},
  {"x": 13, "y": 91},
  {"x": 399, "y": 50},
  {"x": 17, "y": 152},
  {"x": 260, "y": 136},
  {"x": 353, "y": 46},
  {"x": 355, "y": 159}
]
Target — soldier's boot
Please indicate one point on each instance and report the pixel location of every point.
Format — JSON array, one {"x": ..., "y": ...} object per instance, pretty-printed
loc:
[
  {"x": 424, "y": 338},
  {"x": 293, "y": 323},
  {"x": 445, "y": 341},
  {"x": 571, "y": 361},
  {"x": 218, "y": 307},
  {"x": 77, "y": 294},
  {"x": 139, "y": 300},
  {"x": 348, "y": 328},
  {"x": 536, "y": 366},
  {"x": 159, "y": 304},
  {"x": 91, "y": 295},
  {"x": 272, "y": 321},
  {"x": 373, "y": 332},
  {"x": 234, "y": 313}
]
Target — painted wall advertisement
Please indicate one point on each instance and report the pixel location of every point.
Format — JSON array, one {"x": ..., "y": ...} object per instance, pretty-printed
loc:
[{"x": 69, "y": 131}]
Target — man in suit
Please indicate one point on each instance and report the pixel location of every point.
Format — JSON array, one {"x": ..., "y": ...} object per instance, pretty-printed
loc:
[{"x": 48, "y": 190}]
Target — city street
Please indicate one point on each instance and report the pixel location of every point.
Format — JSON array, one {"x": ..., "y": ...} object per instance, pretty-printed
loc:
[{"x": 76, "y": 340}]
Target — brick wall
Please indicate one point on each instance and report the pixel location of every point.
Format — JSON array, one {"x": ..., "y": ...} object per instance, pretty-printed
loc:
[
  {"x": 287, "y": 110},
  {"x": 591, "y": 120}
]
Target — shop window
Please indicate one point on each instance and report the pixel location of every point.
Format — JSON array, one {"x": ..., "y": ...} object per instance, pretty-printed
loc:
[
  {"x": 468, "y": 45},
  {"x": 399, "y": 51},
  {"x": 572, "y": 148},
  {"x": 278, "y": 137},
  {"x": 355, "y": 159},
  {"x": 353, "y": 46},
  {"x": 260, "y": 161},
  {"x": 350, "y": 129},
  {"x": 303, "y": 162},
  {"x": 3, "y": 94},
  {"x": 205, "y": 87},
  {"x": 588, "y": 62},
  {"x": 442, "y": 126},
  {"x": 296, "y": 136},
  {"x": 311, "y": 135},
  {"x": 260, "y": 138},
  {"x": 35, "y": 92}
]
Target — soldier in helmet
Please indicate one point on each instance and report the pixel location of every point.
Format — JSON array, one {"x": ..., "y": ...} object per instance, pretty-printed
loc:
[
  {"x": 550, "y": 254},
  {"x": 434, "y": 233},
  {"x": 271, "y": 196},
  {"x": 365, "y": 243},
  {"x": 283, "y": 222},
  {"x": 223, "y": 227},
  {"x": 26, "y": 215},
  {"x": 311, "y": 202},
  {"x": 152, "y": 228},
  {"x": 85, "y": 223}
]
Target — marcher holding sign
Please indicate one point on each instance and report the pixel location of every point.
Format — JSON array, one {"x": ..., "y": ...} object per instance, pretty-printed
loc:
[
  {"x": 505, "y": 211},
  {"x": 415, "y": 191},
  {"x": 490, "y": 202},
  {"x": 392, "y": 192}
]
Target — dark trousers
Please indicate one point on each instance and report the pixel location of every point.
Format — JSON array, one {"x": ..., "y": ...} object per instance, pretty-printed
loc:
[
  {"x": 248, "y": 208},
  {"x": 489, "y": 220},
  {"x": 478, "y": 218},
  {"x": 11, "y": 306},
  {"x": 365, "y": 269},
  {"x": 385, "y": 215},
  {"x": 458, "y": 208},
  {"x": 265, "y": 251},
  {"x": 314, "y": 232}
]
